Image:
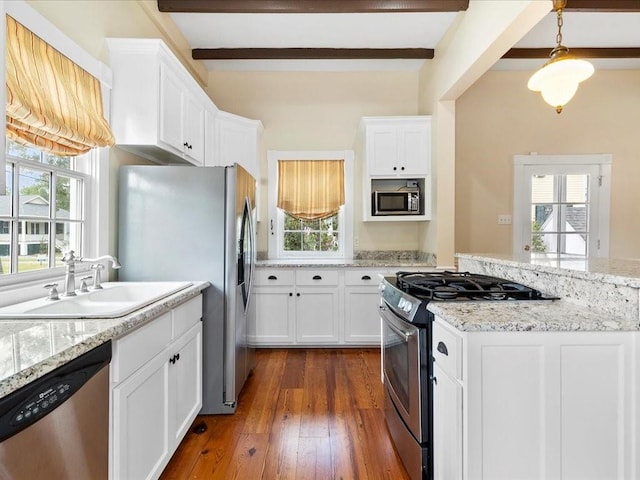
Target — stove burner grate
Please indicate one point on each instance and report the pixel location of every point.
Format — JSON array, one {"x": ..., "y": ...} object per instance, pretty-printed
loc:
[{"x": 462, "y": 285}]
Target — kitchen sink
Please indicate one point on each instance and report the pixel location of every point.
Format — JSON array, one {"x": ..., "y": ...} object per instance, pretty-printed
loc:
[{"x": 115, "y": 299}]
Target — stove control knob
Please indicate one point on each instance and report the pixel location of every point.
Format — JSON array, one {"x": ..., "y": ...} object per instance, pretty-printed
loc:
[{"x": 407, "y": 307}]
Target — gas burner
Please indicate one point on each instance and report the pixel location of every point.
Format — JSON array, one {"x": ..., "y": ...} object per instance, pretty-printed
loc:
[{"x": 443, "y": 291}]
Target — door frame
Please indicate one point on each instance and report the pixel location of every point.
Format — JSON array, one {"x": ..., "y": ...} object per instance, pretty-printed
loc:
[{"x": 599, "y": 209}]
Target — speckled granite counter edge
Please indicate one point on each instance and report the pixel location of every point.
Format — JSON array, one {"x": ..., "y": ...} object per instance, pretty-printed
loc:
[
  {"x": 119, "y": 327},
  {"x": 590, "y": 276},
  {"x": 529, "y": 316}
]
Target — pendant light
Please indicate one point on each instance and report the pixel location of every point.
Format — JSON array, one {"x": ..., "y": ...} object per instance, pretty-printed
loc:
[{"x": 558, "y": 79}]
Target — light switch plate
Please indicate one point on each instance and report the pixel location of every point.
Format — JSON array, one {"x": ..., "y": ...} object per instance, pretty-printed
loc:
[{"x": 504, "y": 219}]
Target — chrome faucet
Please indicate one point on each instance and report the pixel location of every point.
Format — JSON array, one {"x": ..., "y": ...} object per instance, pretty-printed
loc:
[{"x": 70, "y": 260}]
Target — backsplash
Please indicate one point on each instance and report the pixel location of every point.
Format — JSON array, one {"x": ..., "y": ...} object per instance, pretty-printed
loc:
[{"x": 428, "y": 259}]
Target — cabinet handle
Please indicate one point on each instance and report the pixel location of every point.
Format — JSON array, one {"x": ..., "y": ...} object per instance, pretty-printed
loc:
[
  {"x": 185, "y": 144},
  {"x": 365, "y": 277},
  {"x": 442, "y": 348},
  {"x": 177, "y": 357},
  {"x": 317, "y": 277},
  {"x": 191, "y": 146},
  {"x": 272, "y": 277},
  {"x": 172, "y": 360}
]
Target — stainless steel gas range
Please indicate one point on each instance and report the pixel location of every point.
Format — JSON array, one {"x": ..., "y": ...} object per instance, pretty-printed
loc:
[{"x": 407, "y": 357}]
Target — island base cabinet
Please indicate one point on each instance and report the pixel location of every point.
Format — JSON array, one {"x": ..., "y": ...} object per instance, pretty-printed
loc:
[
  {"x": 447, "y": 426},
  {"x": 555, "y": 405}
]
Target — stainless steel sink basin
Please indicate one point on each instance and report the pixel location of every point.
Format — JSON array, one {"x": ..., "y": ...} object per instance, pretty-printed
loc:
[{"x": 114, "y": 300}]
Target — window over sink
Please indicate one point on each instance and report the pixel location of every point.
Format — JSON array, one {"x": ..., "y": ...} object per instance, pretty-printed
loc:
[{"x": 310, "y": 228}]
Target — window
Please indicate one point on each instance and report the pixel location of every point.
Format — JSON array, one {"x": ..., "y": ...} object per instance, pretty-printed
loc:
[
  {"x": 43, "y": 213},
  {"x": 561, "y": 205},
  {"x": 295, "y": 236}
]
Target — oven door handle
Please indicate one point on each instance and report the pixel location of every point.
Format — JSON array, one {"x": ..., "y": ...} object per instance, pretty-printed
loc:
[{"x": 398, "y": 330}]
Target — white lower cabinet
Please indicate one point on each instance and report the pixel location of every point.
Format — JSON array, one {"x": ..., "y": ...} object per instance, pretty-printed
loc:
[
  {"x": 361, "y": 301},
  {"x": 531, "y": 405},
  {"x": 156, "y": 375}
]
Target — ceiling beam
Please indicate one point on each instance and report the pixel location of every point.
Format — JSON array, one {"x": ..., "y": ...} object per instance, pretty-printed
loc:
[
  {"x": 602, "y": 6},
  {"x": 578, "y": 52},
  {"x": 310, "y": 53},
  {"x": 310, "y": 6}
]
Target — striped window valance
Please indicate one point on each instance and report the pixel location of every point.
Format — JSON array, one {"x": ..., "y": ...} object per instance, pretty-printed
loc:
[
  {"x": 51, "y": 102},
  {"x": 310, "y": 189}
]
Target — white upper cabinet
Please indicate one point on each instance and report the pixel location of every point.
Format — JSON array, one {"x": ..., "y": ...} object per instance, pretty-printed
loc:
[
  {"x": 158, "y": 109},
  {"x": 237, "y": 140},
  {"x": 397, "y": 146}
]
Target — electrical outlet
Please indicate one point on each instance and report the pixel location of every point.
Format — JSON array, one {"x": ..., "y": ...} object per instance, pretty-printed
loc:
[{"x": 504, "y": 219}]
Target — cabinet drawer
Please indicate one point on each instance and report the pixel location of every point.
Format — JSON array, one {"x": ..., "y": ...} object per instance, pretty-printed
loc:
[
  {"x": 447, "y": 351},
  {"x": 186, "y": 315},
  {"x": 316, "y": 277},
  {"x": 363, "y": 277},
  {"x": 137, "y": 348},
  {"x": 273, "y": 277}
]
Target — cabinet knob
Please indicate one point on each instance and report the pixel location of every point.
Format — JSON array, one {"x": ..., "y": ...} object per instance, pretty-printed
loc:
[
  {"x": 290, "y": 294},
  {"x": 442, "y": 348},
  {"x": 395, "y": 168},
  {"x": 401, "y": 168},
  {"x": 317, "y": 277},
  {"x": 185, "y": 144},
  {"x": 272, "y": 277},
  {"x": 298, "y": 294},
  {"x": 365, "y": 277}
]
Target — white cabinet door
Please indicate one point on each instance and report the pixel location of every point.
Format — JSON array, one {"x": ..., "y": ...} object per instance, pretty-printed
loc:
[
  {"x": 171, "y": 109},
  {"x": 274, "y": 316},
  {"x": 185, "y": 382},
  {"x": 382, "y": 150},
  {"x": 194, "y": 129},
  {"x": 447, "y": 426},
  {"x": 361, "y": 317},
  {"x": 140, "y": 438},
  {"x": 414, "y": 149},
  {"x": 317, "y": 315}
]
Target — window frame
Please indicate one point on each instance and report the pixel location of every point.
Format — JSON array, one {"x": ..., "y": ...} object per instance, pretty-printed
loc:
[
  {"x": 16, "y": 218},
  {"x": 97, "y": 236},
  {"x": 598, "y": 245},
  {"x": 276, "y": 216}
]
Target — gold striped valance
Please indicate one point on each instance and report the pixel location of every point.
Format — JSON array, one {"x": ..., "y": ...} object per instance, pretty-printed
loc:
[
  {"x": 51, "y": 102},
  {"x": 310, "y": 189}
]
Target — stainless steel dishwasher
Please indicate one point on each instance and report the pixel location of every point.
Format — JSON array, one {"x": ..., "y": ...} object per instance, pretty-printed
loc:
[{"x": 57, "y": 427}]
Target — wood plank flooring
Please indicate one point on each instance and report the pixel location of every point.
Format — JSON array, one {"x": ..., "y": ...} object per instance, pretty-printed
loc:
[{"x": 303, "y": 414}]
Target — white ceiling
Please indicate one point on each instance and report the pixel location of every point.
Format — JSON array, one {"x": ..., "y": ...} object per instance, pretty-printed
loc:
[{"x": 388, "y": 30}]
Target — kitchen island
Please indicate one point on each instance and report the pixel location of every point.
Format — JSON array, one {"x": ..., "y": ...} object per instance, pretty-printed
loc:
[{"x": 540, "y": 389}]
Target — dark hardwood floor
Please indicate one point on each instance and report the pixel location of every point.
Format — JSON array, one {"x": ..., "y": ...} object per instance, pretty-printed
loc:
[{"x": 303, "y": 414}]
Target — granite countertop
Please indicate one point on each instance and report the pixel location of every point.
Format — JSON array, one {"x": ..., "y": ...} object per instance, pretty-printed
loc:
[
  {"x": 31, "y": 348},
  {"x": 616, "y": 271},
  {"x": 362, "y": 258},
  {"x": 528, "y": 316}
]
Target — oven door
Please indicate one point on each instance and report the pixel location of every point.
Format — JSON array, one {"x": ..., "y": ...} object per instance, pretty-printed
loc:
[{"x": 401, "y": 367}]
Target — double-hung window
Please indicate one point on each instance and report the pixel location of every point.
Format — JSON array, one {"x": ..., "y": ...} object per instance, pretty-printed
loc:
[
  {"x": 310, "y": 204},
  {"x": 43, "y": 213}
]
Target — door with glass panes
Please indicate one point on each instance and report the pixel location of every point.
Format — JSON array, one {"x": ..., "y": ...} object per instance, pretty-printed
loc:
[{"x": 561, "y": 205}]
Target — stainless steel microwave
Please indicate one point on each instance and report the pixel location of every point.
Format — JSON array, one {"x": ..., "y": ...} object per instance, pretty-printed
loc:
[{"x": 395, "y": 202}]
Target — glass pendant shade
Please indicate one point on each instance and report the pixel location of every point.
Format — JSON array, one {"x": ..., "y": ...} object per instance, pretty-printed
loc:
[{"x": 558, "y": 79}]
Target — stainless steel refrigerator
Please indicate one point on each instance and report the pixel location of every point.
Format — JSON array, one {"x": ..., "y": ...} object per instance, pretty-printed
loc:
[{"x": 197, "y": 223}]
